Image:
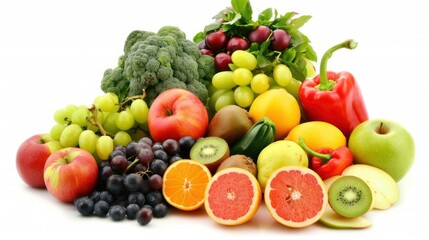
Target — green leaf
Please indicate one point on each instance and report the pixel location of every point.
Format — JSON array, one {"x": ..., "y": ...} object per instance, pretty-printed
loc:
[
  {"x": 265, "y": 16},
  {"x": 212, "y": 26},
  {"x": 237, "y": 17},
  {"x": 300, "y": 21},
  {"x": 299, "y": 72},
  {"x": 244, "y": 8},
  {"x": 199, "y": 37},
  {"x": 262, "y": 61}
]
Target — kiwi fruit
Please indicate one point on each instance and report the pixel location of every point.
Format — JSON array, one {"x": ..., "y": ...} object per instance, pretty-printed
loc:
[
  {"x": 350, "y": 196},
  {"x": 210, "y": 151},
  {"x": 240, "y": 161},
  {"x": 230, "y": 123}
]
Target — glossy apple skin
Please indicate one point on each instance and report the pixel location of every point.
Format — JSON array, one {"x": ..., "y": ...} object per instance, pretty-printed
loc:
[
  {"x": 70, "y": 173},
  {"x": 384, "y": 144},
  {"x": 31, "y": 158},
  {"x": 176, "y": 113}
]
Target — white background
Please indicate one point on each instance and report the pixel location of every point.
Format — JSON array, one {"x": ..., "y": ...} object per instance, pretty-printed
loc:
[{"x": 53, "y": 53}]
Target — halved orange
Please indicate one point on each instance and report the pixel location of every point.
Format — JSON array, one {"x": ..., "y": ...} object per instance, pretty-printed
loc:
[
  {"x": 233, "y": 196},
  {"x": 184, "y": 184},
  {"x": 295, "y": 196}
]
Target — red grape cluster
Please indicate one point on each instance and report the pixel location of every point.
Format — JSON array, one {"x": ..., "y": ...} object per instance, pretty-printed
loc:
[
  {"x": 130, "y": 181},
  {"x": 220, "y": 46}
]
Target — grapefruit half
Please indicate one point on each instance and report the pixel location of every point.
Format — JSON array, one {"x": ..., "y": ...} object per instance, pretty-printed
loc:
[
  {"x": 233, "y": 196},
  {"x": 295, "y": 196}
]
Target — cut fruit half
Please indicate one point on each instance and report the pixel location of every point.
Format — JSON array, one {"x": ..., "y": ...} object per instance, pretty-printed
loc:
[
  {"x": 210, "y": 151},
  {"x": 184, "y": 184},
  {"x": 384, "y": 187},
  {"x": 295, "y": 196},
  {"x": 350, "y": 196},
  {"x": 233, "y": 196}
]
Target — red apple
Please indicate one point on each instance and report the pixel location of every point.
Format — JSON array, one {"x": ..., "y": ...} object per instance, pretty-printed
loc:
[
  {"x": 176, "y": 113},
  {"x": 31, "y": 157},
  {"x": 70, "y": 173}
]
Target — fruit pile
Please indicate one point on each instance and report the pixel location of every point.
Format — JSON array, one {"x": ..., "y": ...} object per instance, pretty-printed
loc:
[{"x": 270, "y": 133}]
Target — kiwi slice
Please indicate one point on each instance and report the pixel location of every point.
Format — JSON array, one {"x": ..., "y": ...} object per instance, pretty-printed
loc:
[
  {"x": 210, "y": 151},
  {"x": 350, "y": 196}
]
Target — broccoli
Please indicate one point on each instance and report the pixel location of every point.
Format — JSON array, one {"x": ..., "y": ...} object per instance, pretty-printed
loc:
[
  {"x": 155, "y": 62},
  {"x": 114, "y": 81}
]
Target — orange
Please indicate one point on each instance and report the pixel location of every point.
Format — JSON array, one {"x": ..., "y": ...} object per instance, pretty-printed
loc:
[
  {"x": 295, "y": 196},
  {"x": 233, "y": 196},
  {"x": 279, "y": 106},
  {"x": 184, "y": 183}
]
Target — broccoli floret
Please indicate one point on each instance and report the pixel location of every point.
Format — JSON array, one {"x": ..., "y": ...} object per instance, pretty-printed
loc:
[
  {"x": 134, "y": 37},
  {"x": 199, "y": 89},
  {"x": 153, "y": 91},
  {"x": 155, "y": 62},
  {"x": 114, "y": 81},
  {"x": 206, "y": 68}
]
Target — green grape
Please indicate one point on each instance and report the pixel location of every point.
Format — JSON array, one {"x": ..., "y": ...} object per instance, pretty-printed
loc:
[
  {"x": 122, "y": 138},
  {"x": 282, "y": 75},
  {"x": 70, "y": 135},
  {"x": 310, "y": 69},
  {"x": 104, "y": 147},
  {"x": 115, "y": 100},
  {"x": 57, "y": 130},
  {"x": 242, "y": 76},
  {"x": 80, "y": 116},
  {"x": 109, "y": 123},
  {"x": 223, "y": 80},
  {"x": 105, "y": 103},
  {"x": 69, "y": 110},
  {"x": 139, "y": 110},
  {"x": 88, "y": 141},
  {"x": 244, "y": 96},
  {"x": 244, "y": 59},
  {"x": 214, "y": 97},
  {"x": 225, "y": 99},
  {"x": 125, "y": 120},
  {"x": 60, "y": 116},
  {"x": 260, "y": 83},
  {"x": 293, "y": 88}
]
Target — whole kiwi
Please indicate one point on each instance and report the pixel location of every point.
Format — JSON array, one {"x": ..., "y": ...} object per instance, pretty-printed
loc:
[
  {"x": 230, "y": 123},
  {"x": 240, "y": 161}
]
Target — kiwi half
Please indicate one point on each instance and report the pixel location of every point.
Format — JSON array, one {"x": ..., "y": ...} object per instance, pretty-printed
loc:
[
  {"x": 350, "y": 196},
  {"x": 210, "y": 151}
]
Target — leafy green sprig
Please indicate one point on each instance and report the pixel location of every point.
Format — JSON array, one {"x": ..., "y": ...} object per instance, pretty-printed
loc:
[{"x": 237, "y": 20}]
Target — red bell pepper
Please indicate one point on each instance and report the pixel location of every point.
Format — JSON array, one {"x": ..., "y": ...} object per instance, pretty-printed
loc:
[
  {"x": 334, "y": 97},
  {"x": 328, "y": 162}
]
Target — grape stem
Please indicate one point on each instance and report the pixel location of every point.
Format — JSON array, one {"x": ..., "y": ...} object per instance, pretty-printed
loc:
[
  {"x": 94, "y": 120},
  {"x": 143, "y": 96}
]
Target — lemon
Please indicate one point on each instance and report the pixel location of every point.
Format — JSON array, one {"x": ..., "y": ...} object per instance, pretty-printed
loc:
[
  {"x": 276, "y": 155},
  {"x": 318, "y": 134}
]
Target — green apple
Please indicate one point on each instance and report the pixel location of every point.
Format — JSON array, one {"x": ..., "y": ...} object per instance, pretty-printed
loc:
[
  {"x": 384, "y": 188},
  {"x": 384, "y": 144},
  {"x": 332, "y": 219}
]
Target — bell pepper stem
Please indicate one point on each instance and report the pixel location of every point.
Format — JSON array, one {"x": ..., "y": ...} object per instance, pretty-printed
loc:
[
  {"x": 323, "y": 157},
  {"x": 325, "y": 83}
]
